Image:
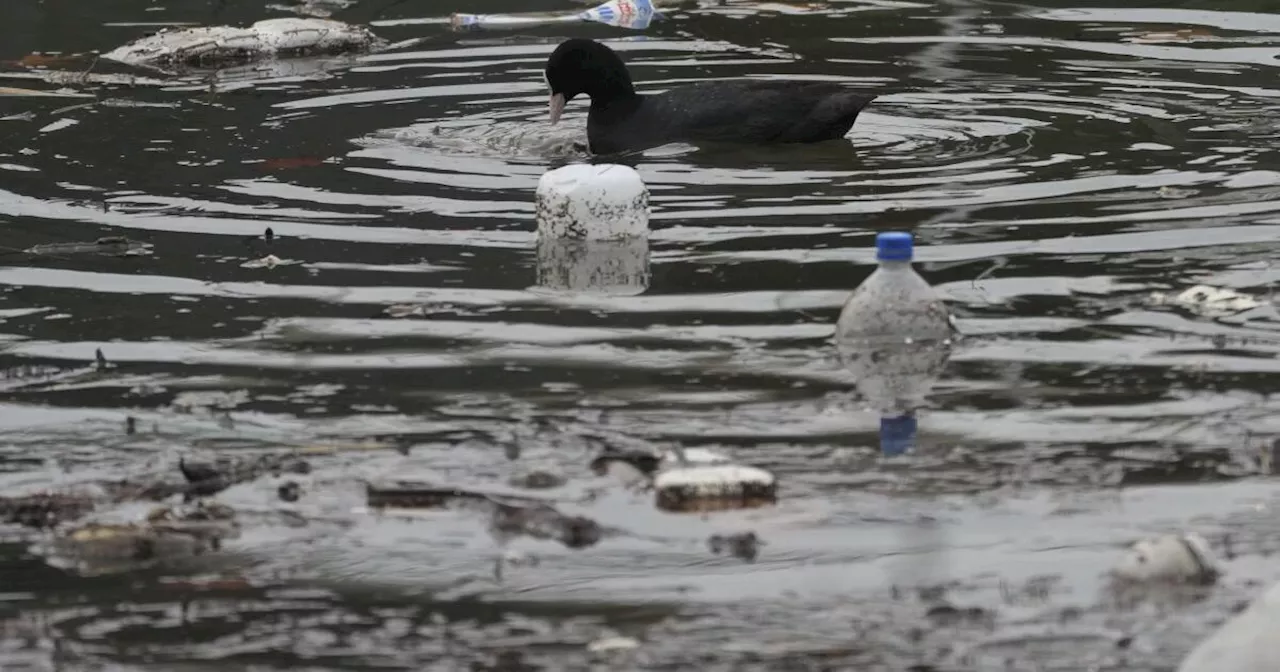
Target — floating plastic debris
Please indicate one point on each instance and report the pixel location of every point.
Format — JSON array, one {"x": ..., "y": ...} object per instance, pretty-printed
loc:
[
  {"x": 894, "y": 335},
  {"x": 1184, "y": 558},
  {"x": 744, "y": 545},
  {"x": 115, "y": 246},
  {"x": 509, "y": 515},
  {"x": 592, "y": 202},
  {"x": 897, "y": 434},
  {"x": 894, "y": 304},
  {"x": 209, "y": 478},
  {"x": 269, "y": 261},
  {"x": 167, "y": 535},
  {"x": 401, "y": 495},
  {"x": 213, "y": 46},
  {"x": 633, "y": 14},
  {"x": 705, "y": 480},
  {"x": 612, "y": 644},
  {"x": 593, "y": 228},
  {"x": 714, "y": 488},
  {"x": 1207, "y": 301}
]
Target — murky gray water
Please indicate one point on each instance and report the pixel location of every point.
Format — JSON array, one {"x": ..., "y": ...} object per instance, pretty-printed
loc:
[{"x": 1057, "y": 165}]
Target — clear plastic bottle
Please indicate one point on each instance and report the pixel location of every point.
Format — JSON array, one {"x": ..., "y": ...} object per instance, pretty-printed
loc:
[
  {"x": 894, "y": 335},
  {"x": 894, "y": 304}
]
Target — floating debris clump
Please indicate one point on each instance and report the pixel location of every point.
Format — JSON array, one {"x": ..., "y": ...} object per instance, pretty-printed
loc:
[
  {"x": 213, "y": 46},
  {"x": 1170, "y": 558},
  {"x": 700, "y": 480}
]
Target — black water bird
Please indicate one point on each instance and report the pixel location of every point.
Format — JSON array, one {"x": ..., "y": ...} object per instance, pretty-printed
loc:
[{"x": 745, "y": 111}]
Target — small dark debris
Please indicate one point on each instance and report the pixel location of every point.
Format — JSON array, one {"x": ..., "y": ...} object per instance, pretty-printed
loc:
[
  {"x": 538, "y": 480},
  {"x": 196, "y": 472},
  {"x": 290, "y": 491},
  {"x": 130, "y": 425},
  {"x": 412, "y": 496},
  {"x": 101, "y": 359},
  {"x": 645, "y": 462},
  {"x": 744, "y": 545},
  {"x": 542, "y": 521},
  {"x": 144, "y": 549},
  {"x": 291, "y": 466},
  {"x": 44, "y": 510},
  {"x": 205, "y": 479},
  {"x": 506, "y": 661},
  {"x": 944, "y": 615}
]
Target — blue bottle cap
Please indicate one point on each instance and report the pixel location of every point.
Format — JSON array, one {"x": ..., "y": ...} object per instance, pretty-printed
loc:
[
  {"x": 897, "y": 435},
  {"x": 894, "y": 246}
]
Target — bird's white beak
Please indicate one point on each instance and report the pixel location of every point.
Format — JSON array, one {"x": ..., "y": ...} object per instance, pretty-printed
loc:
[{"x": 556, "y": 105}]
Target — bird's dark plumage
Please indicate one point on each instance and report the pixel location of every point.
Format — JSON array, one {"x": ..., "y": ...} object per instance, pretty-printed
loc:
[{"x": 750, "y": 111}]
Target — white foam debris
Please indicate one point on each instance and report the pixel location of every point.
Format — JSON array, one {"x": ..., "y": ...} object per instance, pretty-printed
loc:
[
  {"x": 607, "y": 644},
  {"x": 217, "y": 45},
  {"x": 713, "y": 480},
  {"x": 1170, "y": 558},
  {"x": 713, "y": 486},
  {"x": 1246, "y": 643},
  {"x": 592, "y": 202},
  {"x": 1208, "y": 301}
]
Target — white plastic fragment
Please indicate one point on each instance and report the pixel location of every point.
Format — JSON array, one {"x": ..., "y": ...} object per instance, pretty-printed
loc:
[
  {"x": 217, "y": 45},
  {"x": 713, "y": 487},
  {"x": 599, "y": 267},
  {"x": 269, "y": 261},
  {"x": 1208, "y": 301},
  {"x": 592, "y": 202},
  {"x": 608, "y": 644},
  {"x": 1170, "y": 558},
  {"x": 1246, "y": 643},
  {"x": 65, "y": 122}
]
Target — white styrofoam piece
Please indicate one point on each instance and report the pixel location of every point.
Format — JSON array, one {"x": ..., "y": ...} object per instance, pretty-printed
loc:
[
  {"x": 1173, "y": 557},
  {"x": 712, "y": 480},
  {"x": 592, "y": 202},
  {"x": 1208, "y": 301}
]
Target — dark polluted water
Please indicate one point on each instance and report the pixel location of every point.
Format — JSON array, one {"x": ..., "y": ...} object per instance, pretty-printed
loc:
[{"x": 1058, "y": 165}]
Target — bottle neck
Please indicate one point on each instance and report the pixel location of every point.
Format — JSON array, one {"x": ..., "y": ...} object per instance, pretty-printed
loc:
[{"x": 894, "y": 264}]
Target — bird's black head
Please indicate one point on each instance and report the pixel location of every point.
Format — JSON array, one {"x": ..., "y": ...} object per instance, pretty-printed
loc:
[{"x": 580, "y": 66}]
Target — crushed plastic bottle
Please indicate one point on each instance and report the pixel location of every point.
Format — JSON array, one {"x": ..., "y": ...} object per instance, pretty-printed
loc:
[
  {"x": 894, "y": 304},
  {"x": 894, "y": 334}
]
